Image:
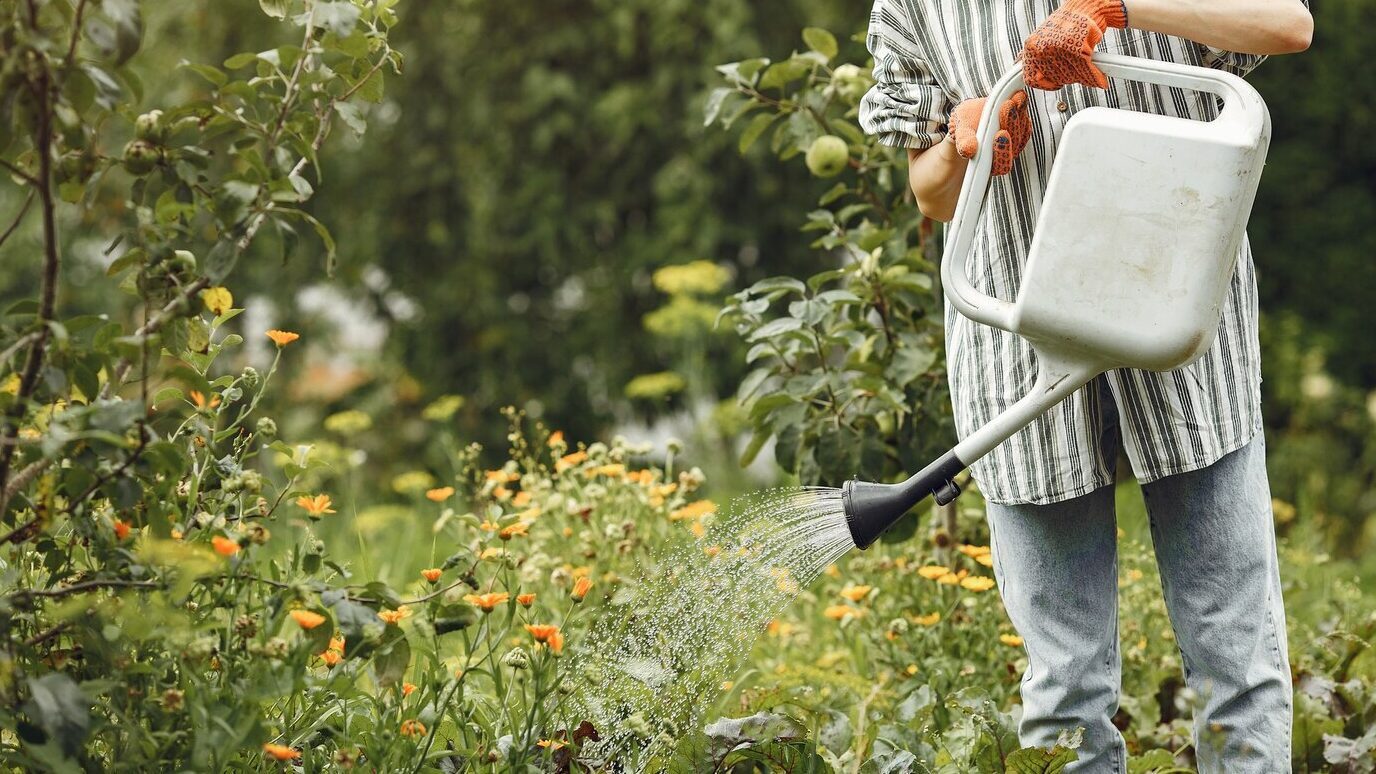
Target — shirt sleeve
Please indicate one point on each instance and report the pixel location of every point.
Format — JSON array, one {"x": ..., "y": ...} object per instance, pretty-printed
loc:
[
  {"x": 906, "y": 107},
  {"x": 1230, "y": 61}
]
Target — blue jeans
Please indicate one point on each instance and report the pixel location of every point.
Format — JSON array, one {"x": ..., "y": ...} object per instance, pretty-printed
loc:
[{"x": 1057, "y": 569}]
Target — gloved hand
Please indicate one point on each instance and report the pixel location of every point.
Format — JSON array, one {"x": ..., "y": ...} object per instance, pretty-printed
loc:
[
  {"x": 1015, "y": 129},
  {"x": 1059, "y": 51}
]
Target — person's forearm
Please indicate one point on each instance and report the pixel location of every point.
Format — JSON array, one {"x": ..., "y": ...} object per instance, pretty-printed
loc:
[
  {"x": 935, "y": 176},
  {"x": 1244, "y": 26}
]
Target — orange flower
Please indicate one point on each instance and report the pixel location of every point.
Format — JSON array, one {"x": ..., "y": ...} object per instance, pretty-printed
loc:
[
  {"x": 1011, "y": 640},
  {"x": 432, "y": 574},
  {"x": 521, "y": 500},
  {"x": 501, "y": 493},
  {"x": 930, "y": 619},
  {"x": 407, "y": 689},
  {"x": 933, "y": 571},
  {"x": 393, "y": 616},
  {"x": 201, "y": 402},
  {"x": 281, "y": 752},
  {"x": 549, "y": 634},
  {"x": 693, "y": 510},
  {"x": 316, "y": 506},
  {"x": 412, "y": 728},
  {"x": 513, "y": 530},
  {"x": 121, "y": 529},
  {"x": 837, "y": 612},
  {"x": 486, "y": 602},
  {"x": 525, "y": 600},
  {"x": 282, "y": 338},
  {"x": 712, "y": 550},
  {"x": 224, "y": 546},
  {"x": 552, "y": 744},
  {"x": 307, "y": 619},
  {"x": 569, "y": 460},
  {"x": 856, "y": 593},
  {"x": 977, "y": 583},
  {"x": 331, "y": 657},
  {"x": 500, "y": 475},
  {"x": 489, "y": 526},
  {"x": 336, "y": 643},
  {"x": 580, "y": 588},
  {"x": 439, "y": 494},
  {"x": 556, "y": 438}
]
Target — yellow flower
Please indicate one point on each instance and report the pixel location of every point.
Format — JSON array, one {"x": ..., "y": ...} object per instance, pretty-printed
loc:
[
  {"x": 933, "y": 571},
  {"x": 556, "y": 438},
  {"x": 697, "y": 529},
  {"x": 501, "y": 493},
  {"x": 912, "y": 669},
  {"x": 930, "y": 619},
  {"x": 282, "y": 338},
  {"x": 551, "y": 744},
  {"x": 281, "y": 752},
  {"x": 832, "y": 571},
  {"x": 525, "y": 600},
  {"x": 837, "y": 612},
  {"x": 440, "y": 494},
  {"x": 412, "y": 728},
  {"x": 490, "y": 553},
  {"x": 500, "y": 475},
  {"x": 978, "y": 583},
  {"x": 489, "y": 526},
  {"x": 316, "y": 506},
  {"x": 580, "y": 588},
  {"x": 431, "y": 574},
  {"x": 519, "y": 529},
  {"x": 224, "y": 546},
  {"x": 985, "y": 559},
  {"x": 307, "y": 619},
  {"x": 856, "y": 593},
  {"x": 486, "y": 602},
  {"x": 694, "y": 510},
  {"x": 218, "y": 300},
  {"x": 613, "y": 470},
  {"x": 1011, "y": 640},
  {"x": 393, "y": 616},
  {"x": 521, "y": 500},
  {"x": 974, "y": 552},
  {"x": 952, "y": 578}
]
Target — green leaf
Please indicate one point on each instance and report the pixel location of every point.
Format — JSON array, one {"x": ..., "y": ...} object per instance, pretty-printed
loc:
[
  {"x": 393, "y": 657},
  {"x": 277, "y": 9},
  {"x": 221, "y": 259},
  {"x": 352, "y": 117},
  {"x": 59, "y": 708},
  {"x": 337, "y": 17},
  {"x": 754, "y": 129},
  {"x": 715, "y": 101},
  {"x": 821, "y": 41}
]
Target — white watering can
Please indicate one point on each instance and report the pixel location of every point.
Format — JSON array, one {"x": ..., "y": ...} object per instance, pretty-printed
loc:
[{"x": 1130, "y": 263}]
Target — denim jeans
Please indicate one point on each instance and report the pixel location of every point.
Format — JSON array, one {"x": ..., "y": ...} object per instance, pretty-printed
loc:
[{"x": 1214, "y": 535}]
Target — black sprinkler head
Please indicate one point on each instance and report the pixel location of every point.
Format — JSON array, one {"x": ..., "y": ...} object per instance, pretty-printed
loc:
[{"x": 873, "y": 508}]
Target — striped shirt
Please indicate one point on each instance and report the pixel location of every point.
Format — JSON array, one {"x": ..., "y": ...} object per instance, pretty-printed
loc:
[{"x": 930, "y": 55}]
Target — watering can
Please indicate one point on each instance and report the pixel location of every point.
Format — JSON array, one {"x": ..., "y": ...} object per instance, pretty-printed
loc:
[{"x": 1168, "y": 199}]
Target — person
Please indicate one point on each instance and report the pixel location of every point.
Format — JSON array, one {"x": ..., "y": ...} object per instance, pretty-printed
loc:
[{"x": 1193, "y": 435}]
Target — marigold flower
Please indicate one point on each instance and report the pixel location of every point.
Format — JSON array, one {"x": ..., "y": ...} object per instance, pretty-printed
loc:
[
  {"x": 176, "y": 534},
  {"x": 973, "y": 552},
  {"x": 307, "y": 619},
  {"x": 407, "y": 689},
  {"x": 431, "y": 574},
  {"x": 521, "y": 500},
  {"x": 611, "y": 470},
  {"x": 282, "y": 338},
  {"x": 486, "y": 602},
  {"x": 489, "y": 526},
  {"x": 977, "y": 583},
  {"x": 1011, "y": 640},
  {"x": 549, "y": 634},
  {"x": 518, "y": 529},
  {"x": 201, "y": 402},
  {"x": 412, "y": 728},
  {"x": 316, "y": 506},
  {"x": 224, "y": 546},
  {"x": 837, "y": 612},
  {"x": 501, "y": 493},
  {"x": 217, "y": 299},
  {"x": 439, "y": 494},
  {"x": 695, "y": 510},
  {"x": 501, "y": 475},
  {"x": 569, "y": 460},
  {"x": 985, "y": 559},
  {"x": 856, "y": 593},
  {"x": 930, "y": 619},
  {"x": 491, "y": 552},
  {"x": 556, "y": 438},
  {"x": 122, "y": 529},
  {"x": 712, "y": 550},
  {"x": 331, "y": 657},
  {"x": 281, "y": 752},
  {"x": 933, "y": 571},
  {"x": 525, "y": 600},
  {"x": 697, "y": 529},
  {"x": 394, "y": 616},
  {"x": 832, "y": 571},
  {"x": 552, "y": 744},
  {"x": 336, "y": 643},
  {"x": 580, "y": 588}
]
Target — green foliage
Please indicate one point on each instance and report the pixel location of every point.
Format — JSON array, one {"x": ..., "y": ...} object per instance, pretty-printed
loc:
[{"x": 847, "y": 372}]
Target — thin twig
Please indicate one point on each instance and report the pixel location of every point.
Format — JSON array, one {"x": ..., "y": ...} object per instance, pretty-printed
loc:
[
  {"x": 24, "y": 210},
  {"x": 42, "y": 637},
  {"x": 79, "y": 588},
  {"x": 16, "y": 171}
]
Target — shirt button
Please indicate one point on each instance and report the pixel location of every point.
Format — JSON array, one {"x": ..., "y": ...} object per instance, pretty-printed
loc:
[{"x": 1062, "y": 106}]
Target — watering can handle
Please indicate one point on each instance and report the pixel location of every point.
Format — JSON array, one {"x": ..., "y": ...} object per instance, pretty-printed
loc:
[{"x": 1241, "y": 106}]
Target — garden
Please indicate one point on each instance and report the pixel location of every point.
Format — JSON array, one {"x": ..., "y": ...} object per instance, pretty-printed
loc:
[{"x": 368, "y": 369}]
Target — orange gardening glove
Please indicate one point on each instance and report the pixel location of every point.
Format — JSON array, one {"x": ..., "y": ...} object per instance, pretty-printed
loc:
[
  {"x": 1015, "y": 129},
  {"x": 1059, "y": 51}
]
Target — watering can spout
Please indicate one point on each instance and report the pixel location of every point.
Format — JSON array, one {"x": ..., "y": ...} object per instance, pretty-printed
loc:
[{"x": 872, "y": 508}]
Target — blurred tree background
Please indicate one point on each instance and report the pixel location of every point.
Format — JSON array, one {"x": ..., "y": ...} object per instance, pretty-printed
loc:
[{"x": 539, "y": 161}]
